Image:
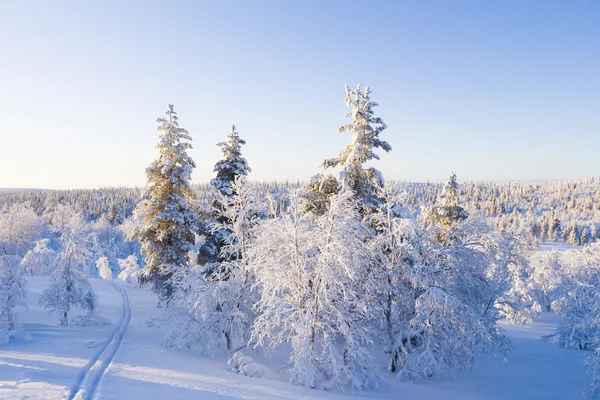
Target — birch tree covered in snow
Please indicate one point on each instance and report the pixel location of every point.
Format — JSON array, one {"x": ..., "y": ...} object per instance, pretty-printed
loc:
[
  {"x": 216, "y": 311},
  {"x": 166, "y": 215},
  {"x": 576, "y": 297},
  {"x": 436, "y": 299},
  {"x": 310, "y": 274}
]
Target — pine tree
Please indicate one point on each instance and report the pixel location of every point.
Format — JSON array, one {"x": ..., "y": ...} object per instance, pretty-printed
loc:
[
  {"x": 448, "y": 211},
  {"x": 365, "y": 129},
  {"x": 544, "y": 228},
  {"x": 12, "y": 292},
  {"x": 574, "y": 236},
  {"x": 319, "y": 192},
  {"x": 584, "y": 236},
  {"x": 232, "y": 165},
  {"x": 113, "y": 215},
  {"x": 167, "y": 216},
  {"x": 554, "y": 230}
]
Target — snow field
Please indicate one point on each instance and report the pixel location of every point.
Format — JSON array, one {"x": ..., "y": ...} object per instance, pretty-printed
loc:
[
  {"x": 91, "y": 375},
  {"x": 142, "y": 369}
]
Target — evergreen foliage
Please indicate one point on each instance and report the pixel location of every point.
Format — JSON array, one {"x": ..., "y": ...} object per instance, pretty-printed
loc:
[
  {"x": 365, "y": 129},
  {"x": 167, "y": 216}
]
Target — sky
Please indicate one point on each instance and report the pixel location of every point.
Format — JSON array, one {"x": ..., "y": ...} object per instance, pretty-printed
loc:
[{"x": 491, "y": 90}]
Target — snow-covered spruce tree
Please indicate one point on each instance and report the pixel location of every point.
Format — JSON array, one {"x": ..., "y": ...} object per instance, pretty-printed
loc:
[
  {"x": 310, "y": 273},
  {"x": 13, "y": 292},
  {"x": 228, "y": 169},
  {"x": 166, "y": 215},
  {"x": 448, "y": 210},
  {"x": 69, "y": 286},
  {"x": 112, "y": 215},
  {"x": 232, "y": 166},
  {"x": 216, "y": 312},
  {"x": 319, "y": 192},
  {"x": 365, "y": 129}
]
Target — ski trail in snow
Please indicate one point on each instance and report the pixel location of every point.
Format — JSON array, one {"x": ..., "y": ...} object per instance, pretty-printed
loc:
[{"x": 88, "y": 379}]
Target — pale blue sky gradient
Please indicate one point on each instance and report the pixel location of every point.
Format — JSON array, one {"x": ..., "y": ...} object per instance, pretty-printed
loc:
[{"x": 493, "y": 90}]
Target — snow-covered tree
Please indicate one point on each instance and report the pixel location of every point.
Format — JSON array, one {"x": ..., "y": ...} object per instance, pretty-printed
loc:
[
  {"x": 69, "y": 285},
  {"x": 365, "y": 128},
  {"x": 232, "y": 165},
  {"x": 13, "y": 292},
  {"x": 319, "y": 192},
  {"x": 545, "y": 280},
  {"x": 578, "y": 301},
  {"x": 444, "y": 297},
  {"x": 574, "y": 235},
  {"x": 592, "y": 390},
  {"x": 578, "y": 306},
  {"x": 38, "y": 260},
  {"x": 509, "y": 273},
  {"x": 311, "y": 277},
  {"x": 103, "y": 268},
  {"x": 113, "y": 215},
  {"x": 393, "y": 305},
  {"x": 554, "y": 230},
  {"x": 20, "y": 228},
  {"x": 216, "y": 311},
  {"x": 130, "y": 269},
  {"x": 166, "y": 215},
  {"x": 448, "y": 210}
]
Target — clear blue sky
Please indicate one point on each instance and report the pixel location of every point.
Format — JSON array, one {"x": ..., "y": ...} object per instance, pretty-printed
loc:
[{"x": 493, "y": 90}]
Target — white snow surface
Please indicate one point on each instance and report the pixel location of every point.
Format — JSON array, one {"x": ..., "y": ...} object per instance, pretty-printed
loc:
[{"x": 130, "y": 362}]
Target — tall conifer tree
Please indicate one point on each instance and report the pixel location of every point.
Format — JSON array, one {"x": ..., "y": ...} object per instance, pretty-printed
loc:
[{"x": 167, "y": 216}]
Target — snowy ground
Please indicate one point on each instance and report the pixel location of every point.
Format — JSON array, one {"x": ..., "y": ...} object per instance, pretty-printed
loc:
[
  {"x": 125, "y": 361},
  {"x": 550, "y": 245}
]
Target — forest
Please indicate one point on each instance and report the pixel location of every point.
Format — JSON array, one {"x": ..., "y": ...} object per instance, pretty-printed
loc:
[{"x": 348, "y": 274}]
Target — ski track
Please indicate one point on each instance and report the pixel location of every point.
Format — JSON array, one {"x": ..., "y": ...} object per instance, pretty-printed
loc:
[{"x": 89, "y": 378}]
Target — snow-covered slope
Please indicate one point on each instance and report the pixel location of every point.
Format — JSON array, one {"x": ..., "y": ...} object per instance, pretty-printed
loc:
[{"x": 59, "y": 358}]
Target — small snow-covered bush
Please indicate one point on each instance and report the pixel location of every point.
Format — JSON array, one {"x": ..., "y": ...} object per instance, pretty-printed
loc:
[
  {"x": 89, "y": 320},
  {"x": 130, "y": 270},
  {"x": 245, "y": 365},
  {"x": 103, "y": 269}
]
